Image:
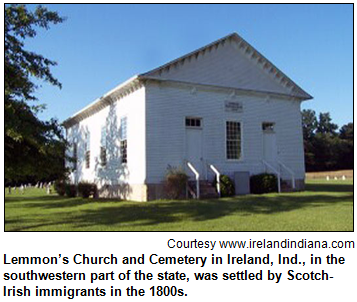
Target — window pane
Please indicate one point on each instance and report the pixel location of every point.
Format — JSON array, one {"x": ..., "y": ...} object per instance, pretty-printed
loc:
[
  {"x": 74, "y": 156},
  {"x": 123, "y": 139},
  {"x": 268, "y": 126},
  {"x": 87, "y": 142},
  {"x": 87, "y": 157},
  {"x": 103, "y": 138},
  {"x": 233, "y": 140},
  {"x": 193, "y": 122},
  {"x": 103, "y": 156},
  {"x": 123, "y": 128},
  {"x": 123, "y": 151}
]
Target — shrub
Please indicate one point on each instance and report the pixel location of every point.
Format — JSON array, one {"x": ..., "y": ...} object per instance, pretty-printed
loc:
[
  {"x": 59, "y": 186},
  {"x": 175, "y": 182},
  {"x": 71, "y": 190},
  {"x": 263, "y": 183},
  {"x": 226, "y": 184},
  {"x": 86, "y": 189}
]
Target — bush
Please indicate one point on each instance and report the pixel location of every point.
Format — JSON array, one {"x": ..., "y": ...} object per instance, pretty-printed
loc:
[
  {"x": 71, "y": 190},
  {"x": 59, "y": 186},
  {"x": 175, "y": 182},
  {"x": 227, "y": 186},
  {"x": 263, "y": 183},
  {"x": 86, "y": 189}
]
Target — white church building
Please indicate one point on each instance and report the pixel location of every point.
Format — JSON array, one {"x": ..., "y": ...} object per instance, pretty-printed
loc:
[{"x": 223, "y": 108}]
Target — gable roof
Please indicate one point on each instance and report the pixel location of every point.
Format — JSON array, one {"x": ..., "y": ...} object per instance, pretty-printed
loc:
[{"x": 287, "y": 86}]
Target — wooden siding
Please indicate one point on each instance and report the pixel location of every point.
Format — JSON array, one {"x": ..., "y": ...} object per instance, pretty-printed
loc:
[
  {"x": 132, "y": 106},
  {"x": 167, "y": 105},
  {"x": 228, "y": 65}
]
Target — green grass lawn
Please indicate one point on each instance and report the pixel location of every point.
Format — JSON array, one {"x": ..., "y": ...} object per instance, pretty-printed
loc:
[{"x": 324, "y": 206}]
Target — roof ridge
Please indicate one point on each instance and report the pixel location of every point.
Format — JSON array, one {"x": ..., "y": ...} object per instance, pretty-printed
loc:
[{"x": 242, "y": 40}]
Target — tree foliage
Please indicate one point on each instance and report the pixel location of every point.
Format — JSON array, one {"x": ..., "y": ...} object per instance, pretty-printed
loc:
[
  {"x": 325, "y": 148},
  {"x": 34, "y": 149}
]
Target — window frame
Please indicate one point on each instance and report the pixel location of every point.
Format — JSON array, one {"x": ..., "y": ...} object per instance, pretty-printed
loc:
[
  {"x": 268, "y": 130},
  {"x": 193, "y": 118},
  {"x": 241, "y": 158},
  {"x": 87, "y": 150},
  {"x": 75, "y": 155},
  {"x": 123, "y": 159},
  {"x": 103, "y": 146},
  {"x": 103, "y": 156},
  {"x": 87, "y": 159}
]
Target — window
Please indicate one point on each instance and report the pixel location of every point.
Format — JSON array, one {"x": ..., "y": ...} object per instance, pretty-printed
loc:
[
  {"x": 124, "y": 151},
  {"x": 233, "y": 140},
  {"x": 87, "y": 150},
  {"x": 268, "y": 127},
  {"x": 193, "y": 122},
  {"x": 123, "y": 139},
  {"x": 103, "y": 147},
  {"x": 103, "y": 156},
  {"x": 74, "y": 156},
  {"x": 87, "y": 158}
]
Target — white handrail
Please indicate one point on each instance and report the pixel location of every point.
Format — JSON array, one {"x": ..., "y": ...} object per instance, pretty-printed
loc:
[
  {"x": 218, "y": 177},
  {"x": 197, "y": 175},
  {"x": 291, "y": 173},
  {"x": 276, "y": 172}
]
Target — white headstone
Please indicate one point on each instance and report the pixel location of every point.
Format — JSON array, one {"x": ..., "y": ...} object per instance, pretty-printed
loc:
[
  {"x": 335, "y": 177},
  {"x": 327, "y": 178},
  {"x": 343, "y": 177}
]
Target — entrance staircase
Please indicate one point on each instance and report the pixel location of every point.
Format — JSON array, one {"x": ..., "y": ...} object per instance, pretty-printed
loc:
[
  {"x": 286, "y": 187},
  {"x": 207, "y": 190}
]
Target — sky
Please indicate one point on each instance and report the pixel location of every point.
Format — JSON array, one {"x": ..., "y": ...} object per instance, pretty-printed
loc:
[{"x": 100, "y": 46}]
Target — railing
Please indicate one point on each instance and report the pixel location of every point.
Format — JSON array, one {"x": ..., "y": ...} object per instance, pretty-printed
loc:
[
  {"x": 197, "y": 175},
  {"x": 290, "y": 172},
  {"x": 213, "y": 168},
  {"x": 274, "y": 171}
]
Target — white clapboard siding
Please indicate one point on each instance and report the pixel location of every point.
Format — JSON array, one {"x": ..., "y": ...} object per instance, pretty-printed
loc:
[
  {"x": 133, "y": 107},
  {"x": 168, "y": 105},
  {"x": 199, "y": 84},
  {"x": 228, "y": 65}
]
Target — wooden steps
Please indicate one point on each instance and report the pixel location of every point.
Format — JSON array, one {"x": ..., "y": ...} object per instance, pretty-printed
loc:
[
  {"x": 207, "y": 190},
  {"x": 286, "y": 187}
]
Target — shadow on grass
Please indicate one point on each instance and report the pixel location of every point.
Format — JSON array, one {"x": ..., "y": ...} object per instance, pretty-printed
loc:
[
  {"x": 123, "y": 214},
  {"x": 174, "y": 211},
  {"x": 329, "y": 188},
  {"x": 19, "y": 198}
]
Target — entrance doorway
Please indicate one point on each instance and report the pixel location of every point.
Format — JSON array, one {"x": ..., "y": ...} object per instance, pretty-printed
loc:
[
  {"x": 270, "y": 152},
  {"x": 194, "y": 152}
]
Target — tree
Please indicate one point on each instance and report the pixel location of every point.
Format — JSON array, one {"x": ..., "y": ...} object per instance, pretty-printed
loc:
[
  {"x": 346, "y": 131},
  {"x": 33, "y": 148},
  {"x": 324, "y": 148},
  {"x": 325, "y": 124},
  {"x": 346, "y": 146},
  {"x": 309, "y": 123},
  {"x": 309, "y": 126}
]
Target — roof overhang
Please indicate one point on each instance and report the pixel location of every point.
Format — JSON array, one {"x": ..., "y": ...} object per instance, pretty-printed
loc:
[
  {"x": 118, "y": 92},
  {"x": 280, "y": 77},
  {"x": 137, "y": 81}
]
